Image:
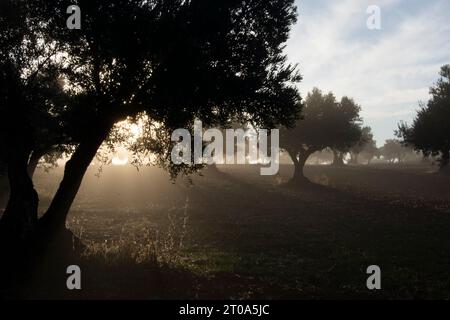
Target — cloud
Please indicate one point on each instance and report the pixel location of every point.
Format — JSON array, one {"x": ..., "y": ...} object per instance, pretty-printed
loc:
[{"x": 387, "y": 71}]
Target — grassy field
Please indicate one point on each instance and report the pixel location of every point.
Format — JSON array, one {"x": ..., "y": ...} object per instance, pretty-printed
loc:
[{"x": 235, "y": 234}]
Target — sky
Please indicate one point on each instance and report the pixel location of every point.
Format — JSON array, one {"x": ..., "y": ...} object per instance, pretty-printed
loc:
[{"x": 387, "y": 71}]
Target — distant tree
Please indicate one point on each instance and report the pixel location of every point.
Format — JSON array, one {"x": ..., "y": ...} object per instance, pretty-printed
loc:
[
  {"x": 174, "y": 61},
  {"x": 365, "y": 146},
  {"x": 350, "y": 130},
  {"x": 393, "y": 150},
  {"x": 325, "y": 123},
  {"x": 322, "y": 156},
  {"x": 430, "y": 130},
  {"x": 370, "y": 151}
]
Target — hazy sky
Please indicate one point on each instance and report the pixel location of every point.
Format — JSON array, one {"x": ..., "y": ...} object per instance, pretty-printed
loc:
[{"x": 386, "y": 71}]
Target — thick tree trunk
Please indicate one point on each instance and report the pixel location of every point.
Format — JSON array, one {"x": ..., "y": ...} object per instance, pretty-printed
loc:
[
  {"x": 18, "y": 224},
  {"x": 299, "y": 165},
  {"x": 19, "y": 220},
  {"x": 338, "y": 159},
  {"x": 54, "y": 219}
]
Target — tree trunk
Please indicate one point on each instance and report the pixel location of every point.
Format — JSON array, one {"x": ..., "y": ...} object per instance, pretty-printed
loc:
[
  {"x": 19, "y": 220},
  {"x": 18, "y": 224},
  {"x": 353, "y": 158},
  {"x": 33, "y": 162},
  {"x": 338, "y": 159},
  {"x": 445, "y": 159},
  {"x": 299, "y": 165},
  {"x": 54, "y": 220}
]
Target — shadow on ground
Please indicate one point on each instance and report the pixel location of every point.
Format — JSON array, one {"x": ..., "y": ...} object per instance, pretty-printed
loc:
[{"x": 235, "y": 234}]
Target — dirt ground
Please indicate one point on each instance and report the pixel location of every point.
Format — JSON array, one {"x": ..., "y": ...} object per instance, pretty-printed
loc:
[{"x": 236, "y": 234}]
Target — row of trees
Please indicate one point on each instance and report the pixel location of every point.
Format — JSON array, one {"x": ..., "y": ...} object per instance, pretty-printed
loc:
[
  {"x": 336, "y": 125},
  {"x": 393, "y": 151}
]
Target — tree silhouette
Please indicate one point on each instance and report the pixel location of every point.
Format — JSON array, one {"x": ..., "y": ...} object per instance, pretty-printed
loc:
[
  {"x": 365, "y": 146},
  {"x": 31, "y": 98},
  {"x": 348, "y": 128},
  {"x": 394, "y": 150},
  {"x": 370, "y": 151},
  {"x": 172, "y": 61},
  {"x": 429, "y": 131},
  {"x": 325, "y": 123}
]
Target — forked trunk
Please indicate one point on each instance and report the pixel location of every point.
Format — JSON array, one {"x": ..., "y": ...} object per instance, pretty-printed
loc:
[{"x": 299, "y": 165}]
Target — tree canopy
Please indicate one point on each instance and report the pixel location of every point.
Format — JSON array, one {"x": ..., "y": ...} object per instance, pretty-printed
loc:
[
  {"x": 393, "y": 150},
  {"x": 325, "y": 123},
  {"x": 430, "y": 130},
  {"x": 366, "y": 146}
]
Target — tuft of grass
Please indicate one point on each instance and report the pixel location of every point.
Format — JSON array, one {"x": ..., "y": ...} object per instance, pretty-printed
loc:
[{"x": 143, "y": 244}]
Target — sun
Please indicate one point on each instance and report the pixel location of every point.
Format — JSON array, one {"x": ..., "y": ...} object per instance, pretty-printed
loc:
[
  {"x": 134, "y": 130},
  {"x": 116, "y": 161},
  {"x": 120, "y": 157}
]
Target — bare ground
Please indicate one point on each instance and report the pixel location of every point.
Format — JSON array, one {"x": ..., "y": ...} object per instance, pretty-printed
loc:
[{"x": 235, "y": 234}]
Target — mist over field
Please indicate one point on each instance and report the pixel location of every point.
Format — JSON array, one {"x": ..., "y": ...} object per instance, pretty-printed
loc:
[{"x": 233, "y": 233}]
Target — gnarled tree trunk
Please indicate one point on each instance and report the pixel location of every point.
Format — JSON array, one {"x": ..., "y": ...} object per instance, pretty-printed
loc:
[
  {"x": 299, "y": 164},
  {"x": 19, "y": 220}
]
